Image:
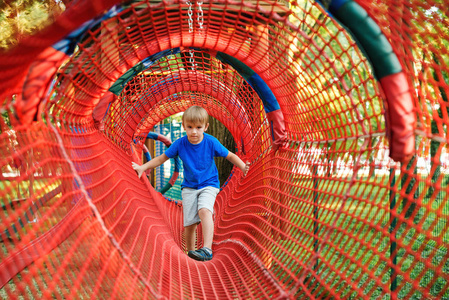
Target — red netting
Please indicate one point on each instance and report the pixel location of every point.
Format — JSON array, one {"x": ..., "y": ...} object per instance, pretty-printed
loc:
[{"x": 324, "y": 213}]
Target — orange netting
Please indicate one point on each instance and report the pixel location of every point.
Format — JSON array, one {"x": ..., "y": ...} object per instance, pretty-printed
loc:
[{"x": 317, "y": 95}]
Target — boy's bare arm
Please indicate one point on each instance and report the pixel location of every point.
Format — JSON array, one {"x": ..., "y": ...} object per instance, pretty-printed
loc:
[
  {"x": 238, "y": 162},
  {"x": 154, "y": 163}
]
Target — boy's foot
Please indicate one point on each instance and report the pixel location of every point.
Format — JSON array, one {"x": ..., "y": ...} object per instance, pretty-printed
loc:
[{"x": 202, "y": 254}]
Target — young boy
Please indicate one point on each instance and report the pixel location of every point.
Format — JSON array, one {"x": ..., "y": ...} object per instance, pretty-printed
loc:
[{"x": 201, "y": 185}]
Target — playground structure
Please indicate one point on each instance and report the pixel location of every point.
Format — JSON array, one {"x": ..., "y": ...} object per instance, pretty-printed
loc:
[{"x": 314, "y": 94}]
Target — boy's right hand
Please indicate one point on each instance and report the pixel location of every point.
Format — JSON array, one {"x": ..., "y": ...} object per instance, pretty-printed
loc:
[
  {"x": 245, "y": 171},
  {"x": 138, "y": 168}
]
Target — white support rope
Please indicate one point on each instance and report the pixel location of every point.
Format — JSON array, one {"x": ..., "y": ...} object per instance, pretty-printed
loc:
[
  {"x": 200, "y": 21},
  {"x": 190, "y": 14},
  {"x": 200, "y": 16}
]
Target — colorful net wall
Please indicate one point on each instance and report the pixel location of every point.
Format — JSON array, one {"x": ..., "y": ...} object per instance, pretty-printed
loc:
[
  {"x": 340, "y": 106},
  {"x": 165, "y": 173}
]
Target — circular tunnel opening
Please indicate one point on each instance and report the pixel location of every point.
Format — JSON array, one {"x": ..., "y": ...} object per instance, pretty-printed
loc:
[{"x": 256, "y": 87}]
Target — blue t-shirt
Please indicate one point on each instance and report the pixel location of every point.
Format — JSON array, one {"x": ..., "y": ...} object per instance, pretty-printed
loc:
[{"x": 198, "y": 160}]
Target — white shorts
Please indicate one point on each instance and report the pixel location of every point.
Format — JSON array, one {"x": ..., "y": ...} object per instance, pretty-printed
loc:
[{"x": 193, "y": 200}]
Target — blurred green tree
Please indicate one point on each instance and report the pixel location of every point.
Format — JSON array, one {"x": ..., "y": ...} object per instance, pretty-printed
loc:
[{"x": 20, "y": 18}]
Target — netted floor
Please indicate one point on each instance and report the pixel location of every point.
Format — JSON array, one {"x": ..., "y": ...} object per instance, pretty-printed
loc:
[{"x": 341, "y": 107}]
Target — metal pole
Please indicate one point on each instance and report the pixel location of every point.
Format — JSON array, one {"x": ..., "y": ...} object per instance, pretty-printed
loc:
[
  {"x": 393, "y": 284},
  {"x": 315, "y": 211}
]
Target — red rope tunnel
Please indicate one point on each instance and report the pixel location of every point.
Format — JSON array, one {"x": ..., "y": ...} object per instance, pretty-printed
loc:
[{"x": 340, "y": 107}]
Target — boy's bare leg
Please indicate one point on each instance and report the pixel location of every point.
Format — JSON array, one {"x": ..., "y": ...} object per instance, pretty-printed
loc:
[
  {"x": 190, "y": 233},
  {"x": 208, "y": 226}
]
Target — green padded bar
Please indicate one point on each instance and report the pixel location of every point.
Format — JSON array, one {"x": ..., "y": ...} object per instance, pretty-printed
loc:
[{"x": 370, "y": 38}]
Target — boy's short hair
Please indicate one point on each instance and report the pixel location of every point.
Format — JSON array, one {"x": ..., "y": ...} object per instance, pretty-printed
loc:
[{"x": 195, "y": 114}]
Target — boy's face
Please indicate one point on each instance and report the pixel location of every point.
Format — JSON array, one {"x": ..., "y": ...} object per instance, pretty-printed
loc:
[{"x": 195, "y": 131}]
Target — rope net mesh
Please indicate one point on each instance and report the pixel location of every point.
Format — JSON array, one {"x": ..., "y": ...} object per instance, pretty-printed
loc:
[{"x": 324, "y": 212}]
